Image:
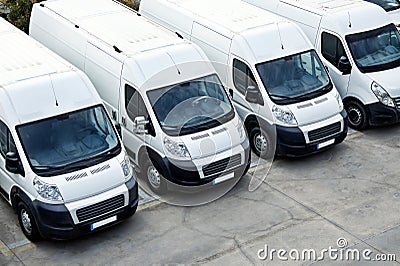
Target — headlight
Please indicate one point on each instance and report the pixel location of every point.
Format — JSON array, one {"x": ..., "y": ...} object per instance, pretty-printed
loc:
[
  {"x": 126, "y": 167},
  {"x": 47, "y": 191},
  {"x": 382, "y": 95},
  {"x": 284, "y": 115},
  {"x": 339, "y": 100},
  {"x": 176, "y": 149}
]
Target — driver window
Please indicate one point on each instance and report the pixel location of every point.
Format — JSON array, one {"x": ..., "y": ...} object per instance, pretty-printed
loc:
[
  {"x": 134, "y": 103},
  {"x": 332, "y": 48},
  {"x": 242, "y": 76},
  {"x": 6, "y": 141}
]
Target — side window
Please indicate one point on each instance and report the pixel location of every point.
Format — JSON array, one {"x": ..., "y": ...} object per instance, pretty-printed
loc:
[
  {"x": 242, "y": 76},
  {"x": 332, "y": 48},
  {"x": 6, "y": 141},
  {"x": 134, "y": 103}
]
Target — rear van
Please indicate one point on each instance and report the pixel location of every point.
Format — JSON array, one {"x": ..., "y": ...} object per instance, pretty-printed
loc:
[
  {"x": 62, "y": 165},
  {"x": 272, "y": 71},
  {"x": 177, "y": 122}
]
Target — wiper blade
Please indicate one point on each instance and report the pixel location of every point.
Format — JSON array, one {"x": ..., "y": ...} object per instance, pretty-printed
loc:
[{"x": 280, "y": 96}]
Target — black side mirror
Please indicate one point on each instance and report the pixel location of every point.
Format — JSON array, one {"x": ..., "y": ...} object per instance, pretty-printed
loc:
[
  {"x": 13, "y": 164},
  {"x": 253, "y": 95},
  {"x": 344, "y": 65}
]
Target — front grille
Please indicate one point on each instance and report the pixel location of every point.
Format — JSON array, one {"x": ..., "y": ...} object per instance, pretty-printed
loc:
[
  {"x": 324, "y": 132},
  {"x": 100, "y": 208},
  {"x": 397, "y": 102},
  {"x": 222, "y": 165}
]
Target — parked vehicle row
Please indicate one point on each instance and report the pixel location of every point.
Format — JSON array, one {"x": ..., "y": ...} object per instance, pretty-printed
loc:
[
  {"x": 189, "y": 88},
  {"x": 272, "y": 70}
]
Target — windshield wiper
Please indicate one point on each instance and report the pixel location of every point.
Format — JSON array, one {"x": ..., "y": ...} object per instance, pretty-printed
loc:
[
  {"x": 77, "y": 165},
  {"x": 281, "y": 96}
]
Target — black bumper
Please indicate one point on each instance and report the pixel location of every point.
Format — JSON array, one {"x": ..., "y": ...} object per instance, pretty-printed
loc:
[
  {"x": 188, "y": 175},
  {"x": 55, "y": 222},
  {"x": 380, "y": 115},
  {"x": 291, "y": 141}
]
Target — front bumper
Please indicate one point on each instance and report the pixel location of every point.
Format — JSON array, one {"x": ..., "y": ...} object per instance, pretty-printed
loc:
[
  {"x": 188, "y": 174},
  {"x": 55, "y": 222},
  {"x": 291, "y": 141},
  {"x": 380, "y": 114}
]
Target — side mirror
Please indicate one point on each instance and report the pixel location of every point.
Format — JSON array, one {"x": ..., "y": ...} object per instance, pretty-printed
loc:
[
  {"x": 140, "y": 125},
  {"x": 13, "y": 164},
  {"x": 344, "y": 65},
  {"x": 253, "y": 95}
]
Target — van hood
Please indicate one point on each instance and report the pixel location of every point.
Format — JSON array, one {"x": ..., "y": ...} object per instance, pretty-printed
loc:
[
  {"x": 89, "y": 181},
  {"x": 395, "y": 17},
  {"x": 388, "y": 79},
  {"x": 213, "y": 141},
  {"x": 316, "y": 109}
]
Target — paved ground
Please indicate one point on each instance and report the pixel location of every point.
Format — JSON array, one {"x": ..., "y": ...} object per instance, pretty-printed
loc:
[{"x": 351, "y": 191}]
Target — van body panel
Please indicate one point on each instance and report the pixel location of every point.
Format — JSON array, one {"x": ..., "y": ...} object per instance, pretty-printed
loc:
[
  {"x": 107, "y": 70},
  {"x": 98, "y": 179},
  {"x": 389, "y": 80},
  {"x": 216, "y": 50},
  {"x": 304, "y": 111},
  {"x": 59, "y": 34}
]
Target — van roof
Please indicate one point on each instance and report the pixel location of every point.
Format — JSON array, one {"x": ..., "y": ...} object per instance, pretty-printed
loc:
[
  {"x": 235, "y": 15},
  {"x": 35, "y": 83},
  {"x": 322, "y": 6},
  {"x": 345, "y": 16},
  {"x": 22, "y": 58},
  {"x": 114, "y": 24}
]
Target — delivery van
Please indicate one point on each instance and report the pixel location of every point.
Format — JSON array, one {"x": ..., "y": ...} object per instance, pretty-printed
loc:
[
  {"x": 272, "y": 70},
  {"x": 62, "y": 165},
  {"x": 392, "y": 7},
  {"x": 360, "y": 46},
  {"x": 177, "y": 121}
]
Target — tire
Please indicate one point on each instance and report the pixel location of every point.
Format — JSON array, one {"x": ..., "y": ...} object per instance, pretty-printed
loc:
[
  {"x": 154, "y": 178},
  {"x": 358, "y": 117},
  {"x": 27, "y": 222},
  {"x": 261, "y": 143}
]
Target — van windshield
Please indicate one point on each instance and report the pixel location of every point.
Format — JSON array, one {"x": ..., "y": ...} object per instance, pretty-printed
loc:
[
  {"x": 191, "y": 106},
  {"x": 69, "y": 142},
  {"x": 376, "y": 50},
  {"x": 294, "y": 78},
  {"x": 388, "y": 5}
]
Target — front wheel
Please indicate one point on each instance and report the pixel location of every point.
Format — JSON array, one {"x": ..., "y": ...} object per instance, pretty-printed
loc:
[
  {"x": 27, "y": 222},
  {"x": 154, "y": 178},
  {"x": 261, "y": 143},
  {"x": 358, "y": 118}
]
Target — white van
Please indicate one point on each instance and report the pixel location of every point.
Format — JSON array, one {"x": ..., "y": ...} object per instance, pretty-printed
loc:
[
  {"x": 392, "y": 7},
  {"x": 177, "y": 121},
  {"x": 360, "y": 47},
  {"x": 62, "y": 166},
  {"x": 272, "y": 70}
]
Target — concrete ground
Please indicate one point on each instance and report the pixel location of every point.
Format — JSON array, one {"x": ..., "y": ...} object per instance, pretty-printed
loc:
[{"x": 350, "y": 193}]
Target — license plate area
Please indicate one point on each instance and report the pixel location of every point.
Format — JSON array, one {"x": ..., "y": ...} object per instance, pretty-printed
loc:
[
  {"x": 96, "y": 225},
  {"x": 223, "y": 178},
  {"x": 325, "y": 144}
]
